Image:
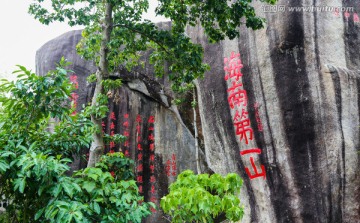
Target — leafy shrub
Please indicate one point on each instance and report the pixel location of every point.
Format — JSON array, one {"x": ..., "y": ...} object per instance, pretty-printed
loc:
[
  {"x": 203, "y": 198},
  {"x": 34, "y": 161}
]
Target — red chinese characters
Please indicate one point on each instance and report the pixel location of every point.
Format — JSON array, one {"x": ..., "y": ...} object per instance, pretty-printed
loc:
[
  {"x": 139, "y": 179},
  {"x": 152, "y": 157},
  {"x": 347, "y": 15},
  {"x": 74, "y": 95},
  {"x": 126, "y": 133},
  {"x": 255, "y": 170},
  {"x": 151, "y": 120},
  {"x": 112, "y": 116},
  {"x": 112, "y": 130},
  {"x": 151, "y": 139},
  {"x": 140, "y": 157},
  {"x": 152, "y": 168},
  {"x": 356, "y": 18},
  {"x": 112, "y": 125},
  {"x": 126, "y": 124},
  {"x": 152, "y": 147},
  {"x": 233, "y": 67},
  {"x": 153, "y": 191},
  {"x": 237, "y": 95},
  {"x": 112, "y": 133},
  {"x": 170, "y": 168},
  {"x": 242, "y": 124},
  {"x": 238, "y": 101},
  {"x": 139, "y": 152},
  {"x": 103, "y": 126},
  {"x": 257, "y": 116},
  {"x": 140, "y": 168},
  {"x": 138, "y": 119},
  {"x": 139, "y": 147},
  {"x": 74, "y": 80}
]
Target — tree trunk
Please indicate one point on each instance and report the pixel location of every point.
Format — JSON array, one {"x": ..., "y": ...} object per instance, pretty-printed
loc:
[{"x": 97, "y": 146}]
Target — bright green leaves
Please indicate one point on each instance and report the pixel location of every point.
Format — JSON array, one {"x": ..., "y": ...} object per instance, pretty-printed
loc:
[
  {"x": 183, "y": 58},
  {"x": 172, "y": 52},
  {"x": 39, "y": 187},
  {"x": 69, "y": 136},
  {"x": 100, "y": 108},
  {"x": 31, "y": 101},
  {"x": 64, "y": 211},
  {"x": 111, "y": 84},
  {"x": 65, "y": 10},
  {"x": 89, "y": 46},
  {"x": 5, "y": 158},
  {"x": 34, "y": 98},
  {"x": 118, "y": 164},
  {"x": 109, "y": 197},
  {"x": 203, "y": 198},
  {"x": 219, "y": 19},
  {"x": 34, "y": 161}
]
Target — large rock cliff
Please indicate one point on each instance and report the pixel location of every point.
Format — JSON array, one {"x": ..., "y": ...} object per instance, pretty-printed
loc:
[{"x": 280, "y": 106}]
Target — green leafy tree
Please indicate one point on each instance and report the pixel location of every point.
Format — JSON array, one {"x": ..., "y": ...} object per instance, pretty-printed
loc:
[
  {"x": 203, "y": 198},
  {"x": 34, "y": 162},
  {"x": 115, "y": 35}
]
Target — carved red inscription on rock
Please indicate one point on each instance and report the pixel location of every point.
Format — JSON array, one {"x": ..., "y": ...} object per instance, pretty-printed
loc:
[{"x": 238, "y": 101}]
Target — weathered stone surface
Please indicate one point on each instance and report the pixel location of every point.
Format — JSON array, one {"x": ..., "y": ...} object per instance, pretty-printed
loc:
[
  {"x": 302, "y": 78},
  {"x": 303, "y": 70}
]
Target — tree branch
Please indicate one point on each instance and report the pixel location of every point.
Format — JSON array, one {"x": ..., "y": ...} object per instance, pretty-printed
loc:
[{"x": 143, "y": 34}]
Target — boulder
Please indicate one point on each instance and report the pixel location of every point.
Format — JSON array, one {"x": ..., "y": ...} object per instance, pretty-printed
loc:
[{"x": 280, "y": 107}]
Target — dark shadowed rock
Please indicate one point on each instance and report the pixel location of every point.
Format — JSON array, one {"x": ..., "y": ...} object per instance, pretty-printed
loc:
[{"x": 300, "y": 116}]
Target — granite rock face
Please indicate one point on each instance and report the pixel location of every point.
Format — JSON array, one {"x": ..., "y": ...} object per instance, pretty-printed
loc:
[
  {"x": 158, "y": 140},
  {"x": 288, "y": 123}
]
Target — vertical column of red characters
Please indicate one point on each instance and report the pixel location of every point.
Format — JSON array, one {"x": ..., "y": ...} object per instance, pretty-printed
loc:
[
  {"x": 126, "y": 133},
  {"x": 257, "y": 116},
  {"x": 139, "y": 154},
  {"x": 170, "y": 168},
  {"x": 237, "y": 99},
  {"x": 112, "y": 131},
  {"x": 74, "y": 95},
  {"x": 151, "y": 138}
]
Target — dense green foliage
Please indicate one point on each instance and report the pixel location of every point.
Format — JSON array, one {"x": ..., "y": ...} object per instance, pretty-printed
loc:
[
  {"x": 203, "y": 198},
  {"x": 132, "y": 34},
  {"x": 34, "y": 161}
]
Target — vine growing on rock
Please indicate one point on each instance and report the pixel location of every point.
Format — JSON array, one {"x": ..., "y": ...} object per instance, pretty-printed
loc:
[{"x": 115, "y": 35}]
